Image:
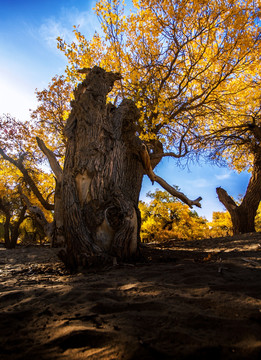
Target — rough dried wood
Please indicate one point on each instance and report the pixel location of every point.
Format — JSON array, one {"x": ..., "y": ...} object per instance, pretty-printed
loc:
[
  {"x": 243, "y": 215},
  {"x": 104, "y": 165}
]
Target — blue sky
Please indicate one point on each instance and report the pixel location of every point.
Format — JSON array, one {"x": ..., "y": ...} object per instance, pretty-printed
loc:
[{"x": 29, "y": 59}]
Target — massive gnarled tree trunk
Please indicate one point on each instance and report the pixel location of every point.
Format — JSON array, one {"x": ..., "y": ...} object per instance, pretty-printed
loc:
[
  {"x": 243, "y": 215},
  {"x": 104, "y": 165},
  {"x": 102, "y": 174},
  {"x": 96, "y": 198}
]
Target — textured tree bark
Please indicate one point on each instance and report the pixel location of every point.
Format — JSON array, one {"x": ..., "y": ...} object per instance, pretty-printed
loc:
[
  {"x": 102, "y": 175},
  {"x": 243, "y": 216},
  {"x": 104, "y": 165}
]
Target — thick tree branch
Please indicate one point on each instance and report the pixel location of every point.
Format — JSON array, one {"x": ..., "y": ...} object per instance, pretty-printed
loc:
[
  {"x": 145, "y": 158},
  {"x": 171, "y": 154},
  {"x": 19, "y": 164},
  {"x": 55, "y": 166},
  {"x": 177, "y": 194},
  {"x": 225, "y": 199}
]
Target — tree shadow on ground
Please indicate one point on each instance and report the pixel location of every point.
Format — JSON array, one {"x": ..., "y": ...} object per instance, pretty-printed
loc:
[{"x": 180, "y": 302}]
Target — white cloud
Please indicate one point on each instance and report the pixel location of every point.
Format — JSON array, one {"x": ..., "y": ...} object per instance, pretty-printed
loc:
[
  {"x": 62, "y": 26},
  {"x": 19, "y": 79},
  {"x": 223, "y": 176},
  {"x": 51, "y": 29}
]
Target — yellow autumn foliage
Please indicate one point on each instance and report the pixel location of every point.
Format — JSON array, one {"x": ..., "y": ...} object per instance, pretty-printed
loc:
[
  {"x": 165, "y": 217},
  {"x": 221, "y": 224},
  {"x": 17, "y": 140},
  {"x": 178, "y": 60}
]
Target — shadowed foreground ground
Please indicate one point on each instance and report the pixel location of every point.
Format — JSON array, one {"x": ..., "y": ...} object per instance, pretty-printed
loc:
[{"x": 191, "y": 300}]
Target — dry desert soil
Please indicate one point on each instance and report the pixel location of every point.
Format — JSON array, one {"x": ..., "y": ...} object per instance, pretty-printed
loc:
[{"x": 185, "y": 300}]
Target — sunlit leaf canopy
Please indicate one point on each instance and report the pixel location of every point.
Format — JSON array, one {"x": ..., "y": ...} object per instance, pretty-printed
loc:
[
  {"x": 165, "y": 217},
  {"x": 179, "y": 61},
  {"x": 232, "y": 132}
]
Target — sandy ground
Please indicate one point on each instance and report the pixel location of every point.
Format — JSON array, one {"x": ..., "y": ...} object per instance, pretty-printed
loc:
[{"x": 190, "y": 300}]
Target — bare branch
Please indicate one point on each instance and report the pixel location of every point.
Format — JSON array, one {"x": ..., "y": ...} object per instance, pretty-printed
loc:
[
  {"x": 172, "y": 154},
  {"x": 55, "y": 166},
  {"x": 178, "y": 194},
  {"x": 145, "y": 158}
]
